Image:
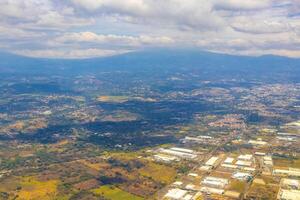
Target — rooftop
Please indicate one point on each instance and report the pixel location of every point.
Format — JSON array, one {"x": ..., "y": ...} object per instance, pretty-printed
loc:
[{"x": 176, "y": 194}]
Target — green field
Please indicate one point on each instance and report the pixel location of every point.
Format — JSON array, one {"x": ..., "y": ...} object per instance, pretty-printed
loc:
[{"x": 114, "y": 193}]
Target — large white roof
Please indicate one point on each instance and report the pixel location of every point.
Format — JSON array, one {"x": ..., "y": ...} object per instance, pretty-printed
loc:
[
  {"x": 243, "y": 163},
  {"x": 229, "y": 160},
  {"x": 212, "y": 161},
  {"x": 289, "y": 194},
  {"x": 176, "y": 194},
  {"x": 245, "y": 157}
]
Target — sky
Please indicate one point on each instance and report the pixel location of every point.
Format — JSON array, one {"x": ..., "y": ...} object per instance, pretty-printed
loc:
[{"x": 92, "y": 28}]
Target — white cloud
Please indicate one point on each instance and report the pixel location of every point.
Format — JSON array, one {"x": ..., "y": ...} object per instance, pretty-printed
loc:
[
  {"x": 74, "y": 53},
  {"x": 104, "y": 27},
  {"x": 260, "y": 25},
  {"x": 32, "y": 14},
  {"x": 110, "y": 39},
  {"x": 185, "y": 14},
  {"x": 12, "y": 33},
  {"x": 242, "y": 4},
  {"x": 279, "y": 43},
  {"x": 128, "y": 6},
  {"x": 295, "y": 7}
]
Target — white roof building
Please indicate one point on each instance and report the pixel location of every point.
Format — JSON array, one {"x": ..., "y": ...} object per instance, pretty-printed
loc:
[
  {"x": 229, "y": 166},
  {"x": 288, "y": 134},
  {"x": 205, "y": 137},
  {"x": 269, "y": 158},
  {"x": 260, "y": 154},
  {"x": 212, "y": 161},
  {"x": 205, "y": 168},
  {"x": 176, "y": 194},
  {"x": 188, "y": 197},
  {"x": 178, "y": 153},
  {"x": 290, "y": 183},
  {"x": 243, "y": 163},
  {"x": 268, "y": 163},
  {"x": 289, "y": 194},
  {"x": 249, "y": 169},
  {"x": 209, "y": 190},
  {"x": 242, "y": 176},
  {"x": 285, "y": 172},
  {"x": 193, "y": 139},
  {"x": 191, "y": 187},
  {"x": 215, "y": 182},
  {"x": 177, "y": 183},
  {"x": 165, "y": 158},
  {"x": 257, "y": 142},
  {"x": 245, "y": 157},
  {"x": 228, "y": 160},
  {"x": 193, "y": 174},
  {"x": 182, "y": 150},
  {"x": 289, "y": 139}
]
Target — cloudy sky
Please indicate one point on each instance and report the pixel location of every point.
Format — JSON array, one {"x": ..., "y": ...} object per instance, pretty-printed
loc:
[{"x": 89, "y": 28}]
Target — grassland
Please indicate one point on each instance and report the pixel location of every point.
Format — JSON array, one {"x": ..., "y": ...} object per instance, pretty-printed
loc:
[
  {"x": 263, "y": 191},
  {"x": 29, "y": 188},
  {"x": 114, "y": 193},
  {"x": 160, "y": 173},
  {"x": 281, "y": 162},
  {"x": 95, "y": 166},
  {"x": 113, "y": 99},
  {"x": 237, "y": 186}
]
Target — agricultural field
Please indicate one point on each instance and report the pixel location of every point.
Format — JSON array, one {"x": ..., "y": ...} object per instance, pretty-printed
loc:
[
  {"x": 25, "y": 188},
  {"x": 114, "y": 193}
]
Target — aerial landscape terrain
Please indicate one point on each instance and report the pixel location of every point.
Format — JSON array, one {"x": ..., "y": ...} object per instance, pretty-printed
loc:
[
  {"x": 139, "y": 131},
  {"x": 150, "y": 100}
]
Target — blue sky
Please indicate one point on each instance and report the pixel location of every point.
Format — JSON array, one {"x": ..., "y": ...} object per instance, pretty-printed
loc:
[{"x": 89, "y": 28}]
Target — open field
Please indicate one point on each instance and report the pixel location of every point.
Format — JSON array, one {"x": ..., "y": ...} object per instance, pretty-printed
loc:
[
  {"x": 114, "y": 193},
  {"x": 158, "y": 172},
  {"x": 29, "y": 188}
]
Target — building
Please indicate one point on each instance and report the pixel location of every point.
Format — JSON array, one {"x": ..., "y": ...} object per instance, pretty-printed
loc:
[
  {"x": 287, "y": 172},
  {"x": 209, "y": 190},
  {"x": 229, "y": 166},
  {"x": 182, "y": 150},
  {"x": 287, "y": 139},
  {"x": 257, "y": 142},
  {"x": 232, "y": 194},
  {"x": 246, "y": 157},
  {"x": 260, "y": 154},
  {"x": 290, "y": 184},
  {"x": 179, "y": 154},
  {"x": 243, "y": 163},
  {"x": 288, "y": 194},
  {"x": 177, "y": 183},
  {"x": 242, "y": 176},
  {"x": 193, "y": 174},
  {"x": 200, "y": 139},
  {"x": 176, "y": 194},
  {"x": 212, "y": 161},
  {"x": 165, "y": 158},
  {"x": 191, "y": 187},
  {"x": 268, "y": 160},
  {"x": 192, "y": 139},
  {"x": 228, "y": 160},
  {"x": 188, "y": 197},
  {"x": 215, "y": 182},
  {"x": 288, "y": 134},
  {"x": 249, "y": 169},
  {"x": 205, "y": 168}
]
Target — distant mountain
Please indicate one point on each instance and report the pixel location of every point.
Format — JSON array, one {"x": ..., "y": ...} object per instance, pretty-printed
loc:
[{"x": 152, "y": 60}]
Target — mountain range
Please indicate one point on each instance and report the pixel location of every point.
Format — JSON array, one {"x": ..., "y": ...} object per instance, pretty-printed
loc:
[{"x": 154, "y": 60}]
